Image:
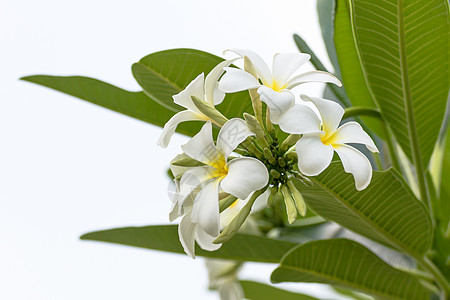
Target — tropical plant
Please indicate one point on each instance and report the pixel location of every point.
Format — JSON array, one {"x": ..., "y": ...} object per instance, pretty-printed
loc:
[{"x": 369, "y": 158}]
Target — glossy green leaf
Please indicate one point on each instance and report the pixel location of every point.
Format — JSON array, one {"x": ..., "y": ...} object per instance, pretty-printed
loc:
[
  {"x": 166, "y": 73},
  {"x": 165, "y": 238},
  {"x": 133, "y": 104},
  {"x": 404, "y": 50},
  {"x": 351, "y": 69},
  {"x": 259, "y": 291},
  {"x": 349, "y": 264},
  {"x": 386, "y": 211}
]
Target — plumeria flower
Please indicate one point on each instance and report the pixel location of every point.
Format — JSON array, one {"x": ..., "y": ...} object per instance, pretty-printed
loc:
[
  {"x": 204, "y": 89},
  {"x": 223, "y": 276},
  {"x": 315, "y": 150},
  {"x": 197, "y": 193},
  {"x": 273, "y": 86}
]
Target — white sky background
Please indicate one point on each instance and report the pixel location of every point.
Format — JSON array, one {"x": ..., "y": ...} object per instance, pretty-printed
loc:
[{"x": 68, "y": 167}]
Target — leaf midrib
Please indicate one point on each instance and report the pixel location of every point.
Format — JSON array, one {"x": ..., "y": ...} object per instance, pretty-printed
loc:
[
  {"x": 412, "y": 130},
  {"x": 338, "y": 281},
  {"x": 378, "y": 230}
]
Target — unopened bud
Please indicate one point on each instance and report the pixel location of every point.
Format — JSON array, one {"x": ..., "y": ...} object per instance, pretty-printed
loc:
[
  {"x": 209, "y": 111},
  {"x": 275, "y": 174},
  {"x": 281, "y": 162},
  {"x": 269, "y": 156},
  {"x": 291, "y": 209},
  {"x": 253, "y": 125},
  {"x": 291, "y": 156},
  {"x": 271, "y": 198},
  {"x": 289, "y": 141},
  {"x": 298, "y": 198}
]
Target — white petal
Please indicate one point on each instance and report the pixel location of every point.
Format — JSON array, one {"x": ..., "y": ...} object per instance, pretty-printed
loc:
[
  {"x": 212, "y": 94},
  {"x": 330, "y": 111},
  {"x": 278, "y": 102},
  {"x": 245, "y": 175},
  {"x": 191, "y": 180},
  {"x": 313, "y": 76},
  {"x": 201, "y": 147},
  {"x": 195, "y": 88},
  {"x": 171, "y": 125},
  {"x": 355, "y": 163},
  {"x": 300, "y": 119},
  {"x": 186, "y": 233},
  {"x": 232, "y": 133},
  {"x": 285, "y": 64},
  {"x": 231, "y": 290},
  {"x": 205, "y": 241},
  {"x": 236, "y": 80},
  {"x": 313, "y": 155},
  {"x": 206, "y": 208},
  {"x": 352, "y": 132},
  {"x": 260, "y": 66}
]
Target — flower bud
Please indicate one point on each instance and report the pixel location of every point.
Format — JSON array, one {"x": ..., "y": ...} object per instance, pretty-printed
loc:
[
  {"x": 298, "y": 198},
  {"x": 253, "y": 125},
  {"x": 271, "y": 198},
  {"x": 291, "y": 208},
  {"x": 268, "y": 155},
  {"x": 209, "y": 111}
]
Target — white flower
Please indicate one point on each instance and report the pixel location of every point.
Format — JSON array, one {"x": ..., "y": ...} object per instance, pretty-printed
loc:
[
  {"x": 315, "y": 150},
  {"x": 204, "y": 89},
  {"x": 197, "y": 195},
  {"x": 276, "y": 84},
  {"x": 223, "y": 276}
]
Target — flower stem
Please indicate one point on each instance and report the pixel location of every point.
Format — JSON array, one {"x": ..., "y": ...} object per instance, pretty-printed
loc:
[{"x": 362, "y": 111}]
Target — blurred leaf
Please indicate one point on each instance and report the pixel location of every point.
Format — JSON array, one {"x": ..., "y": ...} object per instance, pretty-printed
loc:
[
  {"x": 133, "y": 104},
  {"x": 166, "y": 73},
  {"x": 325, "y": 11},
  {"x": 404, "y": 49},
  {"x": 349, "y": 264},
  {"x": 386, "y": 211},
  {"x": 259, "y": 291},
  {"x": 165, "y": 238}
]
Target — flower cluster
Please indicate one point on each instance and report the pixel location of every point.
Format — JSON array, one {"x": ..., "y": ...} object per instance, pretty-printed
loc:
[{"x": 248, "y": 161}]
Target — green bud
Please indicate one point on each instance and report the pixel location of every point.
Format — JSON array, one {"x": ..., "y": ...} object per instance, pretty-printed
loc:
[
  {"x": 209, "y": 111},
  {"x": 269, "y": 156},
  {"x": 290, "y": 205},
  {"x": 281, "y": 162},
  {"x": 289, "y": 141},
  {"x": 255, "y": 126},
  {"x": 272, "y": 195},
  {"x": 275, "y": 174},
  {"x": 291, "y": 156},
  {"x": 238, "y": 220},
  {"x": 269, "y": 125},
  {"x": 298, "y": 198},
  {"x": 226, "y": 202}
]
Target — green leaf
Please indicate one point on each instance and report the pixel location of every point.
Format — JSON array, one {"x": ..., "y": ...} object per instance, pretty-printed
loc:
[
  {"x": 349, "y": 264},
  {"x": 325, "y": 11},
  {"x": 404, "y": 49},
  {"x": 386, "y": 211},
  {"x": 165, "y": 238},
  {"x": 351, "y": 70},
  {"x": 166, "y": 73},
  {"x": 259, "y": 291},
  {"x": 133, "y": 104}
]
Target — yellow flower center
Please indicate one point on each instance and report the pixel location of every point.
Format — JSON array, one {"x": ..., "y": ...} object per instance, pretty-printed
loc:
[
  {"x": 220, "y": 166},
  {"x": 276, "y": 86},
  {"x": 328, "y": 137}
]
